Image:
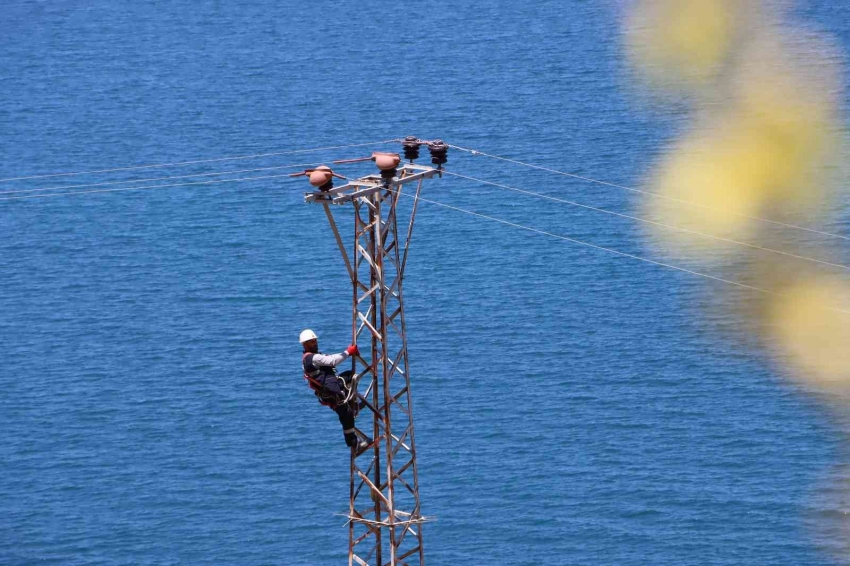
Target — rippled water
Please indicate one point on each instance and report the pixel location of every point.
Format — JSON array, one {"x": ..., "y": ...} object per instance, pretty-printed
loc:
[{"x": 572, "y": 406}]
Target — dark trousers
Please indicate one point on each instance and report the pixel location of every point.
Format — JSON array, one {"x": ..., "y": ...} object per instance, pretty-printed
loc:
[
  {"x": 331, "y": 386},
  {"x": 346, "y": 416},
  {"x": 345, "y": 412}
]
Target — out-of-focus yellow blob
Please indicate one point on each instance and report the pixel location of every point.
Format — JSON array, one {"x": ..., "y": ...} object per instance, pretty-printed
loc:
[
  {"x": 791, "y": 123},
  {"x": 685, "y": 40},
  {"x": 812, "y": 331},
  {"x": 711, "y": 184},
  {"x": 766, "y": 156}
]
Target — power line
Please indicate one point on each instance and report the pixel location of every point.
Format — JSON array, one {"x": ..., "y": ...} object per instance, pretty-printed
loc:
[
  {"x": 183, "y": 163},
  {"x": 670, "y": 226},
  {"x": 443, "y": 205},
  {"x": 147, "y": 187},
  {"x": 603, "y": 248},
  {"x": 150, "y": 179},
  {"x": 656, "y": 195}
]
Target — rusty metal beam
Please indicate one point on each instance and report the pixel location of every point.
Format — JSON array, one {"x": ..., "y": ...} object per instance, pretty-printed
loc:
[{"x": 338, "y": 240}]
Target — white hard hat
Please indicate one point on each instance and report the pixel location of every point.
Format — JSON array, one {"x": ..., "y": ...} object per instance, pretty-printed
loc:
[{"x": 307, "y": 335}]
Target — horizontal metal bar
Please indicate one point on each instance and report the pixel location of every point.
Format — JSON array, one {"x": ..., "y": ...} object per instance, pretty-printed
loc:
[
  {"x": 397, "y": 182},
  {"x": 357, "y": 194},
  {"x": 371, "y": 184},
  {"x": 418, "y": 520},
  {"x": 328, "y": 194},
  {"x": 325, "y": 195}
]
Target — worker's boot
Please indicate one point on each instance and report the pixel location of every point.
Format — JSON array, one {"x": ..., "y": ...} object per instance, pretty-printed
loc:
[
  {"x": 350, "y": 439},
  {"x": 360, "y": 446}
]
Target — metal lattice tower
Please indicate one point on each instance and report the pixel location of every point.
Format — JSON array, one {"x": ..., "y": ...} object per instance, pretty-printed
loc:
[{"x": 385, "y": 517}]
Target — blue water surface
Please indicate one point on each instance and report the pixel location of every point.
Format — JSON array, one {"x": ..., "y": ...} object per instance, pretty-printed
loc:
[{"x": 572, "y": 406}]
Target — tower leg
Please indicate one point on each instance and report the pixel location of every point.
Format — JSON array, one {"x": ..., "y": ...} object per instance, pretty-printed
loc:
[{"x": 384, "y": 508}]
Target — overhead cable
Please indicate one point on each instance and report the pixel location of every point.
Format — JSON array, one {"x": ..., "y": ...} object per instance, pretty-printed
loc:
[
  {"x": 603, "y": 248},
  {"x": 151, "y": 179},
  {"x": 442, "y": 205},
  {"x": 121, "y": 189},
  {"x": 653, "y": 222},
  {"x": 656, "y": 195},
  {"x": 194, "y": 162}
]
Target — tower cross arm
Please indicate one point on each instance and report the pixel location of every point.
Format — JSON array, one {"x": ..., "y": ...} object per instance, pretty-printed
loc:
[{"x": 365, "y": 186}]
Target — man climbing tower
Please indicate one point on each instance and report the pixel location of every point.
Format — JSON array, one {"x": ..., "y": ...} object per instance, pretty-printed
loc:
[{"x": 334, "y": 391}]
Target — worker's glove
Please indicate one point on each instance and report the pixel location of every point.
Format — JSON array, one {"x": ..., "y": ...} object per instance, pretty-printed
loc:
[{"x": 353, "y": 350}]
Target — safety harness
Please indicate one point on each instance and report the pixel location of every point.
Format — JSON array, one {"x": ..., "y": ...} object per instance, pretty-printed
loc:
[{"x": 328, "y": 400}]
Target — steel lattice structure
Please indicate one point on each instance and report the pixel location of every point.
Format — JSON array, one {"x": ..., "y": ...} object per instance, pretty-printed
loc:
[{"x": 384, "y": 511}]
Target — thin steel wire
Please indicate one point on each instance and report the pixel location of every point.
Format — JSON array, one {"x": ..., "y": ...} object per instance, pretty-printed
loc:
[
  {"x": 610, "y": 250},
  {"x": 151, "y": 179},
  {"x": 183, "y": 163},
  {"x": 145, "y": 188},
  {"x": 656, "y": 195},
  {"x": 450, "y": 207},
  {"x": 653, "y": 222}
]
